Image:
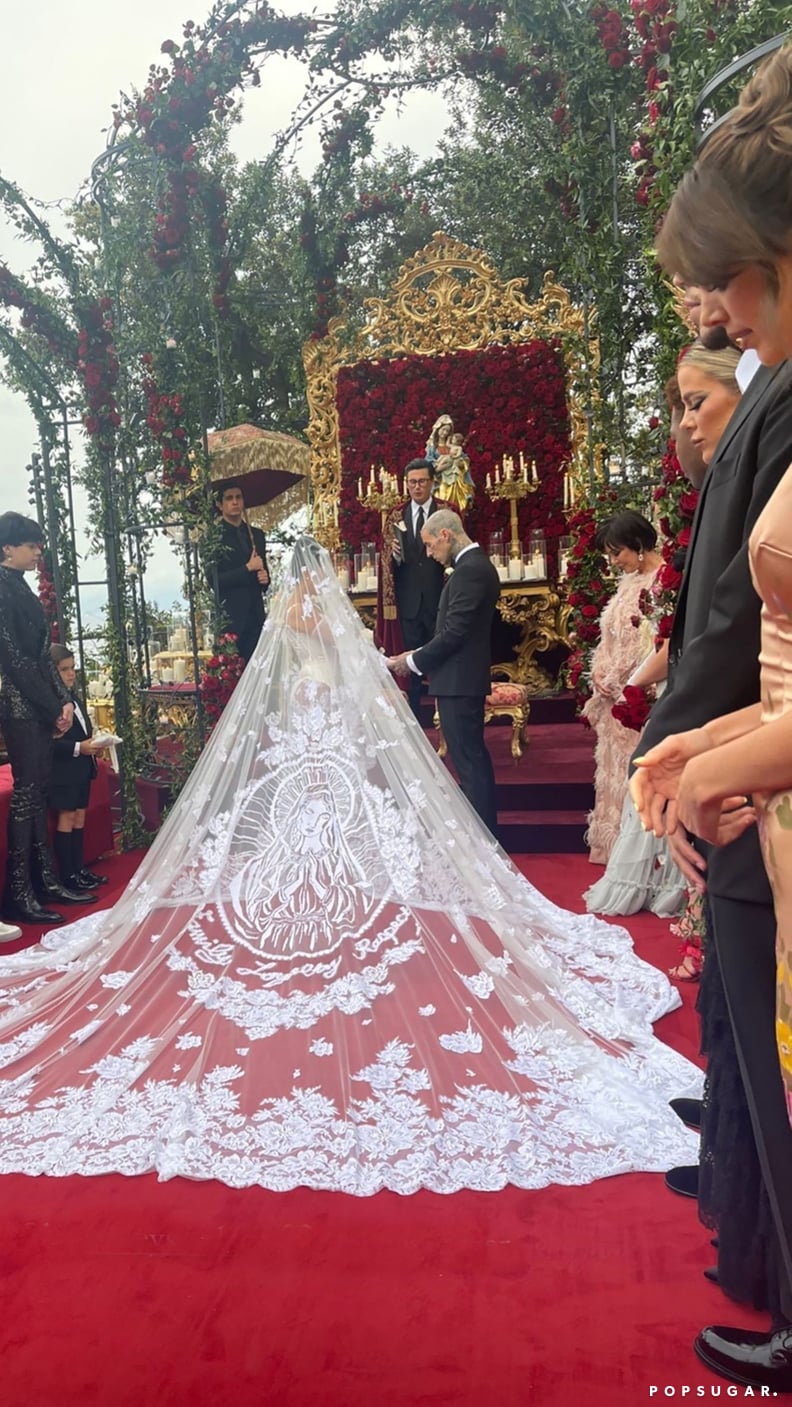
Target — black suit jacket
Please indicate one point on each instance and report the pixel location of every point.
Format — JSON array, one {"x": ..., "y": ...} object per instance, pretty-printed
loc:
[
  {"x": 241, "y": 594},
  {"x": 714, "y": 650},
  {"x": 458, "y": 659},
  {"x": 66, "y": 768},
  {"x": 418, "y": 578},
  {"x": 30, "y": 687}
]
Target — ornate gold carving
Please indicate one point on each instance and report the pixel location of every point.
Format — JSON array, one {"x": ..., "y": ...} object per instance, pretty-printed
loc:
[
  {"x": 542, "y": 616},
  {"x": 447, "y": 297}
]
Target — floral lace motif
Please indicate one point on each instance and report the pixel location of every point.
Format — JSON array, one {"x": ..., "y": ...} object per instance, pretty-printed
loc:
[{"x": 325, "y": 972}]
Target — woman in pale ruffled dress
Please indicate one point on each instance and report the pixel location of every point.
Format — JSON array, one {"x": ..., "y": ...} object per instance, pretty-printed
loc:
[{"x": 630, "y": 542}]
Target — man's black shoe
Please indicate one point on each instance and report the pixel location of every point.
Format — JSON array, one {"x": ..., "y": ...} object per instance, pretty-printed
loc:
[
  {"x": 689, "y": 1111},
  {"x": 683, "y": 1180},
  {"x": 94, "y": 880},
  {"x": 63, "y": 895},
  {"x": 743, "y": 1356}
]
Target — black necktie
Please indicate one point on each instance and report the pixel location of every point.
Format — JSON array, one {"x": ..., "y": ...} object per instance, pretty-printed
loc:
[{"x": 419, "y": 521}]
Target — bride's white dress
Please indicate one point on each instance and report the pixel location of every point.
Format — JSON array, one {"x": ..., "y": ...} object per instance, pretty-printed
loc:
[{"x": 326, "y": 973}]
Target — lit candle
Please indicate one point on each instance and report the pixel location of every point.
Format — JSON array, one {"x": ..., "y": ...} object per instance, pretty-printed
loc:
[
  {"x": 360, "y": 488},
  {"x": 566, "y": 494},
  {"x": 523, "y": 468},
  {"x": 534, "y": 475},
  {"x": 515, "y": 569},
  {"x": 497, "y": 476},
  {"x": 489, "y": 482},
  {"x": 371, "y": 479}
]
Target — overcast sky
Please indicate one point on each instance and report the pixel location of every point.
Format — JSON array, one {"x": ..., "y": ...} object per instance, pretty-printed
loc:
[{"x": 64, "y": 65}]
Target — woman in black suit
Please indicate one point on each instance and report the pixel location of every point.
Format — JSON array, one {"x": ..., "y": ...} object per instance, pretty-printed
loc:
[
  {"x": 34, "y": 704},
  {"x": 73, "y": 770}
]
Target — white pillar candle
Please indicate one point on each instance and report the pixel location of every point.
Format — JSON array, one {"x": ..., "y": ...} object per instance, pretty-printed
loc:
[
  {"x": 179, "y": 671},
  {"x": 343, "y": 578},
  {"x": 515, "y": 569},
  {"x": 503, "y": 572}
]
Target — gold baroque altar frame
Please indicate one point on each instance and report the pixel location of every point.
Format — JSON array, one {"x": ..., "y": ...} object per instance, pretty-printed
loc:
[{"x": 449, "y": 297}]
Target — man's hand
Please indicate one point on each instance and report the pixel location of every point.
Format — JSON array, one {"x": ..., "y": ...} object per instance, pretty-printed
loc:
[
  {"x": 65, "y": 718},
  {"x": 88, "y": 747},
  {"x": 704, "y": 810},
  {"x": 263, "y": 578},
  {"x": 255, "y": 563},
  {"x": 398, "y": 663},
  {"x": 657, "y": 775},
  {"x": 687, "y": 859}
]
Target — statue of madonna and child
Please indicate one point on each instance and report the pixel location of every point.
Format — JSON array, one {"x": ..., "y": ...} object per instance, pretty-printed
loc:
[{"x": 445, "y": 451}]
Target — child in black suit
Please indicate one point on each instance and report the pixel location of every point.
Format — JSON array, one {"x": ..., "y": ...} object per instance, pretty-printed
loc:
[{"x": 73, "y": 769}]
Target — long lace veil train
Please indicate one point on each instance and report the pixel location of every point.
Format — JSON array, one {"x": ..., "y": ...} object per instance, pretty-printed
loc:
[{"x": 325, "y": 972}]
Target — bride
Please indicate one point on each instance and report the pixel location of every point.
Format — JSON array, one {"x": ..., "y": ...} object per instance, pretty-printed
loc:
[{"x": 326, "y": 973}]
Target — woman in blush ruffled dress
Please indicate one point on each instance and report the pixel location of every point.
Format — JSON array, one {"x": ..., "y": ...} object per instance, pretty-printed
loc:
[{"x": 630, "y": 543}]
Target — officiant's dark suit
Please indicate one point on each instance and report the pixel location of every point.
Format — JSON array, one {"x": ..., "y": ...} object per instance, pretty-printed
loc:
[
  {"x": 714, "y": 669},
  {"x": 417, "y": 578},
  {"x": 458, "y": 661}
]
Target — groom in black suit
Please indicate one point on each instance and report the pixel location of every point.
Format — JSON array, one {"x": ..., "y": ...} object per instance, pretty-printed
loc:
[
  {"x": 714, "y": 670},
  {"x": 458, "y": 659}
]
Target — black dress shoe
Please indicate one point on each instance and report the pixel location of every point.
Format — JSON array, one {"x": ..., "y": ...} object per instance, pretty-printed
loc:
[
  {"x": 689, "y": 1111},
  {"x": 62, "y": 895},
  {"x": 711, "y": 1273},
  {"x": 93, "y": 879},
  {"x": 29, "y": 912},
  {"x": 78, "y": 882},
  {"x": 683, "y": 1180},
  {"x": 756, "y": 1360}
]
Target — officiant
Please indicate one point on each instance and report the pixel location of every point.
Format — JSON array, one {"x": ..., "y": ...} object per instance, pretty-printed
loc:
[{"x": 411, "y": 580}]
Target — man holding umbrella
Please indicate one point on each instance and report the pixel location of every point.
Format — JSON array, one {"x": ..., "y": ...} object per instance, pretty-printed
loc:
[{"x": 241, "y": 564}]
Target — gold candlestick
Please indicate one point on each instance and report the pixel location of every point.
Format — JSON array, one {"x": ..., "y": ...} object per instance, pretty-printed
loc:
[
  {"x": 514, "y": 490},
  {"x": 382, "y": 494}
]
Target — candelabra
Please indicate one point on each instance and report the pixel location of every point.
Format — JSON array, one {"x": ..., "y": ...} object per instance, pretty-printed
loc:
[
  {"x": 381, "y": 494},
  {"x": 513, "y": 488}
]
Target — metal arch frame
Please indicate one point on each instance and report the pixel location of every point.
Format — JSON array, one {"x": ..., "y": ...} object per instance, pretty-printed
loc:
[{"x": 760, "y": 51}]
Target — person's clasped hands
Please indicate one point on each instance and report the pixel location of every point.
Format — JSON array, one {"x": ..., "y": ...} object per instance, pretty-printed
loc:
[{"x": 675, "y": 790}]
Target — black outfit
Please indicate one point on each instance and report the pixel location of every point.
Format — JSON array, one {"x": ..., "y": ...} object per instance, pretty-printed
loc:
[
  {"x": 418, "y": 583},
  {"x": 458, "y": 661},
  {"x": 32, "y": 696},
  {"x": 240, "y": 594},
  {"x": 71, "y": 776},
  {"x": 69, "y": 790},
  {"x": 714, "y": 659}
]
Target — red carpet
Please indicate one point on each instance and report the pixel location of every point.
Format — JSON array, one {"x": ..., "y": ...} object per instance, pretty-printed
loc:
[{"x": 124, "y": 1293}]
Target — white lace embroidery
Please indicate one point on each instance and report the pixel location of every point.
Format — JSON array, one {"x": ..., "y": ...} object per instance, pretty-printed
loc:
[{"x": 322, "y": 893}]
